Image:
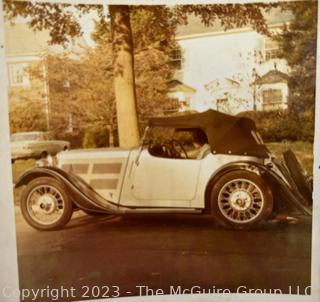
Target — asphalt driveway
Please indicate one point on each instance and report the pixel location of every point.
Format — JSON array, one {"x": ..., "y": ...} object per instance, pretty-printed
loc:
[{"x": 115, "y": 255}]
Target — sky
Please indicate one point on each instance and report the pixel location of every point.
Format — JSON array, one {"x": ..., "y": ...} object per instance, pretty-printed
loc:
[{"x": 87, "y": 25}]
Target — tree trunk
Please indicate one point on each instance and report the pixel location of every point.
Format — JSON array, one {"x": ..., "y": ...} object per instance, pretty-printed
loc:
[{"x": 124, "y": 76}]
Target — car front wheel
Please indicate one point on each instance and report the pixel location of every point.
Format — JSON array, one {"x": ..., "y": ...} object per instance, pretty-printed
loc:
[
  {"x": 241, "y": 200},
  {"x": 45, "y": 204}
]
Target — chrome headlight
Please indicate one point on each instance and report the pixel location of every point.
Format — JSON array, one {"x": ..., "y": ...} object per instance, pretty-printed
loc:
[{"x": 49, "y": 161}]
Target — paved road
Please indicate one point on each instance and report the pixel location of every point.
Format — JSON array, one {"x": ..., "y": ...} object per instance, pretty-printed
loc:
[{"x": 162, "y": 251}]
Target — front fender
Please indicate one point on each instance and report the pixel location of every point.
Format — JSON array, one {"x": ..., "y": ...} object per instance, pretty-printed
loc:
[
  {"x": 274, "y": 179},
  {"x": 80, "y": 192},
  {"x": 34, "y": 173}
]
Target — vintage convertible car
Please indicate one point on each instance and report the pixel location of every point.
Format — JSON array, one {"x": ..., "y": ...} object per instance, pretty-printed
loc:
[{"x": 236, "y": 180}]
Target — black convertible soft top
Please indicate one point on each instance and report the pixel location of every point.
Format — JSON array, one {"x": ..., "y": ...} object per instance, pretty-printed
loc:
[{"x": 226, "y": 134}]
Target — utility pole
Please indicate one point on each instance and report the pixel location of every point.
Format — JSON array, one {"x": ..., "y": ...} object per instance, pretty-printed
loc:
[
  {"x": 46, "y": 95},
  {"x": 255, "y": 78}
]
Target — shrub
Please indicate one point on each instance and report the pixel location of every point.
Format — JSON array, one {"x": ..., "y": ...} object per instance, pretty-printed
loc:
[
  {"x": 96, "y": 137},
  {"x": 307, "y": 121},
  {"x": 27, "y": 116},
  {"x": 275, "y": 126},
  {"x": 75, "y": 138}
]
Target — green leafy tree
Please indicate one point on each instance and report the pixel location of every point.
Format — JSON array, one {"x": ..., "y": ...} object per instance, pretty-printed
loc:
[
  {"x": 80, "y": 90},
  {"x": 298, "y": 46},
  {"x": 63, "y": 24},
  {"x": 27, "y": 116},
  {"x": 152, "y": 47}
]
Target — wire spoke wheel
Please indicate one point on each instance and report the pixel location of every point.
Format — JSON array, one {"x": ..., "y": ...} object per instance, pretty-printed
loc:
[
  {"x": 45, "y": 204},
  {"x": 240, "y": 200}
]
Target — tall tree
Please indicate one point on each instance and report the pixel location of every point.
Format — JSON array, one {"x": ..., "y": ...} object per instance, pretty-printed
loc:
[
  {"x": 152, "y": 48},
  {"x": 298, "y": 43},
  {"x": 62, "y": 22},
  {"x": 124, "y": 76},
  {"x": 82, "y": 91}
]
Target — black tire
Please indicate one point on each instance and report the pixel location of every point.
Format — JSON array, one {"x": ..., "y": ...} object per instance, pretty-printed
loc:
[
  {"x": 43, "y": 154},
  {"x": 250, "y": 209},
  {"x": 59, "y": 198},
  {"x": 296, "y": 173}
]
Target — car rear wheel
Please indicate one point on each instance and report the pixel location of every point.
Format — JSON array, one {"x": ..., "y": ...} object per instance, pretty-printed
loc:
[
  {"x": 241, "y": 200},
  {"x": 45, "y": 204}
]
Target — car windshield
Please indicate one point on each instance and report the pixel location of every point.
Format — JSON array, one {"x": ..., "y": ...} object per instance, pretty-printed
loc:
[
  {"x": 180, "y": 143},
  {"x": 26, "y": 137}
]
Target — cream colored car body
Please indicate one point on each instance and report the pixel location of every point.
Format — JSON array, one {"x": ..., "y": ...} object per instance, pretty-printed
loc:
[
  {"x": 235, "y": 181},
  {"x": 136, "y": 179}
]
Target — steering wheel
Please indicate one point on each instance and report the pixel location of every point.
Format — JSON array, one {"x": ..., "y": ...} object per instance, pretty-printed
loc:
[
  {"x": 169, "y": 150},
  {"x": 175, "y": 143}
]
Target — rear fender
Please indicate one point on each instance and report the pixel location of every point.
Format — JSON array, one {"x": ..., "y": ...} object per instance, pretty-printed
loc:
[
  {"x": 274, "y": 180},
  {"x": 82, "y": 195}
]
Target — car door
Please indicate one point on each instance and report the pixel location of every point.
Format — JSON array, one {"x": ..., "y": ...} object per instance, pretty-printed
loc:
[{"x": 165, "y": 182}]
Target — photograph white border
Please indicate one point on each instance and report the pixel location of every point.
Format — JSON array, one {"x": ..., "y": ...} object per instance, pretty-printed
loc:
[
  {"x": 8, "y": 247},
  {"x": 8, "y": 260}
]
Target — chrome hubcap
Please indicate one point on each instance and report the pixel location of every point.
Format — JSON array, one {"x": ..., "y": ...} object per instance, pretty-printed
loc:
[
  {"x": 240, "y": 200},
  {"x": 45, "y": 204}
]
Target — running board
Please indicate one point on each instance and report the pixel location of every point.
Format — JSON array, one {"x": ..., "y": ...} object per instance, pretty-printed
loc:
[{"x": 125, "y": 210}]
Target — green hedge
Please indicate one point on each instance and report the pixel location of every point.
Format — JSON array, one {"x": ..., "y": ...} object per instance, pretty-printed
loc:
[
  {"x": 275, "y": 126},
  {"x": 75, "y": 138},
  {"x": 96, "y": 137}
]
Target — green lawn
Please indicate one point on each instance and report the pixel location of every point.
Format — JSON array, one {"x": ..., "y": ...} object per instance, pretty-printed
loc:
[{"x": 303, "y": 151}]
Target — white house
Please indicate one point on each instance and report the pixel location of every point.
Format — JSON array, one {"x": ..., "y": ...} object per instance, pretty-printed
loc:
[
  {"x": 25, "y": 49},
  {"x": 231, "y": 71}
]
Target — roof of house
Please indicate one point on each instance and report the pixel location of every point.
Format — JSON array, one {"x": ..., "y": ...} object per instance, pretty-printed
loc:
[
  {"x": 21, "y": 40},
  {"x": 225, "y": 83},
  {"x": 176, "y": 85},
  {"x": 195, "y": 26},
  {"x": 271, "y": 77}
]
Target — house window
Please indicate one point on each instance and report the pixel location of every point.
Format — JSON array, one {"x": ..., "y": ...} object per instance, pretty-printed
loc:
[
  {"x": 175, "y": 58},
  {"x": 18, "y": 74},
  {"x": 271, "y": 49},
  {"x": 223, "y": 105},
  {"x": 272, "y": 99}
]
